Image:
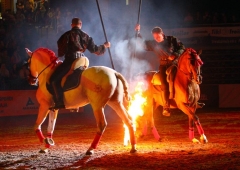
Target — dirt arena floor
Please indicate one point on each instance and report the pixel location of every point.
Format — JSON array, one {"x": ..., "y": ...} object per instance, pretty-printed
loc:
[{"x": 74, "y": 132}]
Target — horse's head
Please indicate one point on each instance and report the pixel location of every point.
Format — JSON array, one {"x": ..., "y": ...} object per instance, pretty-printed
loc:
[
  {"x": 32, "y": 78},
  {"x": 190, "y": 64},
  {"x": 38, "y": 62}
]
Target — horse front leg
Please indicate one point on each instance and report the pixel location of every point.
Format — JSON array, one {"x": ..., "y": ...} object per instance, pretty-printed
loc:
[
  {"x": 190, "y": 111},
  {"x": 203, "y": 138},
  {"x": 101, "y": 126},
  {"x": 52, "y": 116},
  {"x": 191, "y": 130},
  {"x": 151, "y": 121},
  {"x": 148, "y": 114},
  {"x": 42, "y": 114},
  {"x": 123, "y": 114}
]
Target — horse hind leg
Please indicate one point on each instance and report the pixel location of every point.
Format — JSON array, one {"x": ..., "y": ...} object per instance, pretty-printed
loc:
[
  {"x": 101, "y": 125},
  {"x": 149, "y": 116},
  {"x": 123, "y": 114}
]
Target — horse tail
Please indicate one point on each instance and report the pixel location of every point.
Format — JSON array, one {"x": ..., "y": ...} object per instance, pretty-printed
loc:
[{"x": 125, "y": 85}]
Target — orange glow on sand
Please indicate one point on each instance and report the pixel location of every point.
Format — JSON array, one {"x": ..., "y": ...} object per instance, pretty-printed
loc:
[{"x": 135, "y": 109}]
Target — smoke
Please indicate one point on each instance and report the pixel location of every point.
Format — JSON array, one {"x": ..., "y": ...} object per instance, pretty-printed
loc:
[
  {"x": 119, "y": 21},
  {"x": 128, "y": 63}
]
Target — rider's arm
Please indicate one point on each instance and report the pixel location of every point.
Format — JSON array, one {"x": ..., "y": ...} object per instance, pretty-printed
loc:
[
  {"x": 96, "y": 49},
  {"x": 178, "y": 47},
  {"x": 62, "y": 45},
  {"x": 89, "y": 44}
]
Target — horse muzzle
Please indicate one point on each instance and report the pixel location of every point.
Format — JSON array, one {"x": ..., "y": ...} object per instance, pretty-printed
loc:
[{"x": 32, "y": 80}]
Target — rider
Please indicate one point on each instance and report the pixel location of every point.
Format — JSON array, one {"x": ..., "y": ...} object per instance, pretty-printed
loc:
[
  {"x": 72, "y": 44},
  {"x": 168, "y": 49}
]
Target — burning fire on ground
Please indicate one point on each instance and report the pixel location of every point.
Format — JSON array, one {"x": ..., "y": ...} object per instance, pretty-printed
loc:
[{"x": 135, "y": 109}]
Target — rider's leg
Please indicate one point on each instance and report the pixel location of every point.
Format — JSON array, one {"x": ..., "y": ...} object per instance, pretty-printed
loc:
[
  {"x": 58, "y": 95},
  {"x": 55, "y": 81},
  {"x": 173, "y": 70},
  {"x": 165, "y": 88}
]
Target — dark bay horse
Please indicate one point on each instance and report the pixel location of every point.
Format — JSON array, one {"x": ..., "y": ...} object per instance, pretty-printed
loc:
[
  {"x": 99, "y": 86},
  {"x": 184, "y": 79}
]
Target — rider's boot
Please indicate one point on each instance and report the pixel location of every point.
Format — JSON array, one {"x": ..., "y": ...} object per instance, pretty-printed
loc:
[
  {"x": 166, "y": 109},
  {"x": 58, "y": 99},
  {"x": 171, "y": 80}
]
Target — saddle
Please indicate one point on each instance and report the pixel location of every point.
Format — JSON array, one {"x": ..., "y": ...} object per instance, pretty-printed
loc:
[
  {"x": 72, "y": 79},
  {"x": 171, "y": 73}
]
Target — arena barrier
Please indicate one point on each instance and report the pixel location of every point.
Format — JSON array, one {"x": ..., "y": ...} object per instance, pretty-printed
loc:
[
  {"x": 21, "y": 102},
  {"x": 229, "y": 95}
]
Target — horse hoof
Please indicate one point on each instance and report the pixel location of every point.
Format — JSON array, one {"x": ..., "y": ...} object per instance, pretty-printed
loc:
[
  {"x": 49, "y": 141},
  {"x": 90, "y": 152},
  {"x": 43, "y": 150},
  {"x": 133, "y": 151},
  {"x": 194, "y": 140},
  {"x": 203, "y": 139}
]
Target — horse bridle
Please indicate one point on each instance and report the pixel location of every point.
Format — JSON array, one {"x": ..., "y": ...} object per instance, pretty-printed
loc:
[
  {"x": 32, "y": 80},
  {"x": 189, "y": 74}
]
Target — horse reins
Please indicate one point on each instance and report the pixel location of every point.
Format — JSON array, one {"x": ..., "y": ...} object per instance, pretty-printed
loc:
[
  {"x": 43, "y": 69},
  {"x": 186, "y": 74}
]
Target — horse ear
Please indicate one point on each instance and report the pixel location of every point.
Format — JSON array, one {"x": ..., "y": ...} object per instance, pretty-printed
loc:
[
  {"x": 28, "y": 52},
  {"x": 199, "y": 52}
]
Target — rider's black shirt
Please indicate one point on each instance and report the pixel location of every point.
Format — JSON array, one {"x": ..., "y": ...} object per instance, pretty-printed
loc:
[
  {"x": 75, "y": 40},
  {"x": 169, "y": 46}
]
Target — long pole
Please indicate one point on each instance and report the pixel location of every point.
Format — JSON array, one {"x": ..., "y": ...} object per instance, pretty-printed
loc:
[
  {"x": 133, "y": 55},
  {"x": 139, "y": 11},
  {"x": 138, "y": 22},
  {"x": 105, "y": 34}
]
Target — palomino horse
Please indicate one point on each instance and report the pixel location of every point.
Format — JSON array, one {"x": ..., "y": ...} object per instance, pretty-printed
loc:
[
  {"x": 99, "y": 86},
  {"x": 185, "y": 81}
]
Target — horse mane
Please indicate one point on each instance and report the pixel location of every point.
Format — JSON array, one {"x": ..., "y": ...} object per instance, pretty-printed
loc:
[
  {"x": 50, "y": 53},
  {"x": 195, "y": 58}
]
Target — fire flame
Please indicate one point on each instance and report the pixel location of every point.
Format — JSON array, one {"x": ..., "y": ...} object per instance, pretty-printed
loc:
[{"x": 135, "y": 109}]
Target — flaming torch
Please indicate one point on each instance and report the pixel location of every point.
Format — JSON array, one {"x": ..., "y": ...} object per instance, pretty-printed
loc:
[{"x": 135, "y": 109}]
